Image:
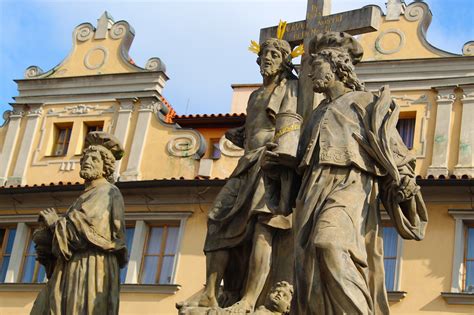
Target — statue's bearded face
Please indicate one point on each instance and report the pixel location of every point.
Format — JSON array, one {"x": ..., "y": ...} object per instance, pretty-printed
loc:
[
  {"x": 321, "y": 74},
  {"x": 92, "y": 166},
  {"x": 271, "y": 61},
  {"x": 279, "y": 300}
]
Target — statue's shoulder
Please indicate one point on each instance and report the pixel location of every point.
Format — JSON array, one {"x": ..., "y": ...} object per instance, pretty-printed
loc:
[{"x": 362, "y": 98}]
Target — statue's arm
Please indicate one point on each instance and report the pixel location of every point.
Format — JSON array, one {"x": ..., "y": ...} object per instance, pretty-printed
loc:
[
  {"x": 404, "y": 201},
  {"x": 236, "y": 136}
]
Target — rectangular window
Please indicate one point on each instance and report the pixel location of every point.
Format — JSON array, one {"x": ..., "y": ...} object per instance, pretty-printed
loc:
[
  {"x": 159, "y": 254},
  {"x": 406, "y": 128},
  {"x": 63, "y": 135},
  {"x": 390, "y": 245},
  {"x": 7, "y": 236},
  {"x": 469, "y": 260},
  {"x": 129, "y": 232},
  {"x": 32, "y": 270}
]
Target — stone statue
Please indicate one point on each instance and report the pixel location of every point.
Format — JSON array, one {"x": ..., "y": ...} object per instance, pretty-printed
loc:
[
  {"x": 350, "y": 157},
  {"x": 84, "y": 250},
  {"x": 245, "y": 218},
  {"x": 278, "y": 300}
]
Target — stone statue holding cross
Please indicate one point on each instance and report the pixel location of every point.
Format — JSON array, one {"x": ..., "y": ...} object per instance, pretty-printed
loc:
[{"x": 350, "y": 158}]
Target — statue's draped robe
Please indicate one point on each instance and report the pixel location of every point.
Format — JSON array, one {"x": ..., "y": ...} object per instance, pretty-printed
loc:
[
  {"x": 337, "y": 221},
  {"x": 244, "y": 199},
  {"x": 89, "y": 243}
]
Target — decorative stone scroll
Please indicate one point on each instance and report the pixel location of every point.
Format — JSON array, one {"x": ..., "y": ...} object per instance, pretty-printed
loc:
[
  {"x": 119, "y": 30},
  {"x": 84, "y": 32},
  {"x": 188, "y": 143},
  {"x": 33, "y": 71},
  {"x": 229, "y": 149},
  {"x": 155, "y": 64}
]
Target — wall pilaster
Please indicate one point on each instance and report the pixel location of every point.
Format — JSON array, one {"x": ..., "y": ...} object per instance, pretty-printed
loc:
[
  {"x": 439, "y": 163},
  {"x": 465, "y": 165}
]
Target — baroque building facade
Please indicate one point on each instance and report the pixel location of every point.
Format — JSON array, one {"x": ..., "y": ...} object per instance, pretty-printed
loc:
[{"x": 175, "y": 164}]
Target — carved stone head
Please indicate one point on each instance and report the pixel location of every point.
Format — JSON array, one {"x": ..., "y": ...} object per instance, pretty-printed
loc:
[
  {"x": 333, "y": 56},
  {"x": 99, "y": 156},
  {"x": 274, "y": 57},
  {"x": 279, "y": 299},
  {"x": 97, "y": 162}
]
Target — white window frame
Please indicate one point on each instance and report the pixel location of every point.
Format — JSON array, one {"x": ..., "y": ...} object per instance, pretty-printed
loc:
[
  {"x": 19, "y": 244},
  {"x": 460, "y": 217},
  {"x": 399, "y": 261},
  {"x": 139, "y": 237}
]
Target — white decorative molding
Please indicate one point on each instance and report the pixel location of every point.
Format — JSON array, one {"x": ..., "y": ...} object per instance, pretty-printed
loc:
[
  {"x": 84, "y": 32},
  {"x": 33, "y": 71},
  {"x": 229, "y": 149},
  {"x": 105, "y": 55},
  {"x": 440, "y": 156},
  {"x": 155, "y": 64},
  {"x": 11, "y": 137},
  {"x": 79, "y": 109},
  {"x": 145, "y": 113},
  {"x": 136, "y": 254},
  {"x": 468, "y": 49},
  {"x": 424, "y": 100},
  {"x": 33, "y": 116},
  {"x": 122, "y": 127},
  {"x": 205, "y": 167},
  {"x": 401, "y": 41},
  {"x": 394, "y": 9},
  {"x": 419, "y": 11},
  {"x": 67, "y": 166},
  {"x": 188, "y": 143},
  {"x": 465, "y": 164},
  {"x": 119, "y": 30},
  {"x": 16, "y": 257}
]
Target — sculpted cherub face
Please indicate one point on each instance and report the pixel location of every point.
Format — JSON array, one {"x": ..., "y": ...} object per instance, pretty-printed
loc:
[
  {"x": 279, "y": 299},
  {"x": 92, "y": 165},
  {"x": 271, "y": 61}
]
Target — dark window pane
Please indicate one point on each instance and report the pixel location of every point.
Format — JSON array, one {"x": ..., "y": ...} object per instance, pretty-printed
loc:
[
  {"x": 11, "y": 238},
  {"x": 389, "y": 265},
  {"x": 469, "y": 274},
  {"x": 129, "y": 238},
  {"x": 172, "y": 241},
  {"x": 406, "y": 128},
  {"x": 150, "y": 268},
  {"x": 470, "y": 243},
  {"x": 28, "y": 269},
  {"x": 4, "y": 268},
  {"x": 2, "y": 236},
  {"x": 390, "y": 238},
  {"x": 216, "y": 151},
  {"x": 154, "y": 241},
  {"x": 166, "y": 270}
]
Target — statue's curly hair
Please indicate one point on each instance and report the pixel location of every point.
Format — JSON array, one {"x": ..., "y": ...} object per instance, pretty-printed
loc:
[
  {"x": 107, "y": 158},
  {"x": 342, "y": 65},
  {"x": 284, "y": 48}
]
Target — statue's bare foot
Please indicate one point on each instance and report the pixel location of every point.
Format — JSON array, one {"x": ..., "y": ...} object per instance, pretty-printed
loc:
[
  {"x": 208, "y": 301},
  {"x": 241, "y": 307}
]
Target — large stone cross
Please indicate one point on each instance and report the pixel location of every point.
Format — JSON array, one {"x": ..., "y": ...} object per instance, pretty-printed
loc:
[{"x": 318, "y": 19}]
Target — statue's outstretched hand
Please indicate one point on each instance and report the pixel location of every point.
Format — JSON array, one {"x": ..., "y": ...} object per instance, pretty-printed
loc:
[{"x": 49, "y": 216}]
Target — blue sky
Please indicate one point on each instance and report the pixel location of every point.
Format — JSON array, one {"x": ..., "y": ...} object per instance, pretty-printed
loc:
[{"x": 203, "y": 43}]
